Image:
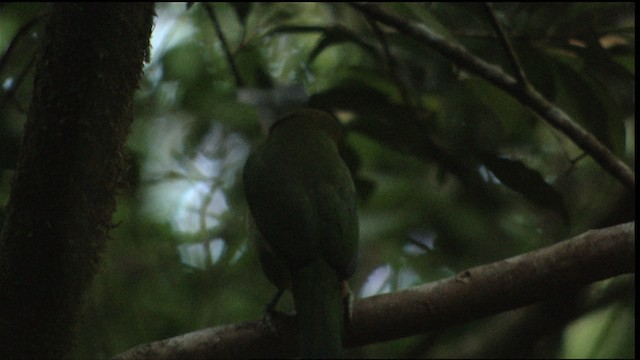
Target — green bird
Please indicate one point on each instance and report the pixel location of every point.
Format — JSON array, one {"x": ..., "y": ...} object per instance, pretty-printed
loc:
[{"x": 303, "y": 202}]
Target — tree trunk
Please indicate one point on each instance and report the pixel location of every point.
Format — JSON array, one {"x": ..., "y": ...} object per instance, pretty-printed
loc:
[{"x": 63, "y": 195}]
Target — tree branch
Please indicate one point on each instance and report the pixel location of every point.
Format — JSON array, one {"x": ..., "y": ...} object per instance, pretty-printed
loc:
[
  {"x": 528, "y": 96},
  {"x": 484, "y": 290},
  {"x": 506, "y": 44},
  {"x": 392, "y": 67},
  {"x": 225, "y": 45}
]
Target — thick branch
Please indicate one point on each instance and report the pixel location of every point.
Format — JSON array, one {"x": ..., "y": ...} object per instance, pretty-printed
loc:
[
  {"x": 525, "y": 95},
  {"x": 484, "y": 290}
]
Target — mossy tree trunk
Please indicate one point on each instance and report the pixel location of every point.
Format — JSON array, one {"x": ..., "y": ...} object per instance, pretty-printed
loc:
[{"x": 63, "y": 195}]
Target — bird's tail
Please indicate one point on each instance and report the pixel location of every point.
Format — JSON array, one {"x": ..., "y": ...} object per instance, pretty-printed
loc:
[{"x": 316, "y": 294}]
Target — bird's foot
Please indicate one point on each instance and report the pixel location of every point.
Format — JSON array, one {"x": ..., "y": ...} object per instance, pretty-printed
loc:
[
  {"x": 347, "y": 301},
  {"x": 271, "y": 316}
]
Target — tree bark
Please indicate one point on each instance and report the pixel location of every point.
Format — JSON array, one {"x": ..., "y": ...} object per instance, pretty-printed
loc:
[{"x": 63, "y": 195}]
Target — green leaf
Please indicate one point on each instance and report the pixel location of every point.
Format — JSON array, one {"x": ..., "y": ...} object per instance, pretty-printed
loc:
[
  {"x": 528, "y": 182},
  {"x": 586, "y": 100},
  {"x": 337, "y": 35},
  {"x": 399, "y": 127}
]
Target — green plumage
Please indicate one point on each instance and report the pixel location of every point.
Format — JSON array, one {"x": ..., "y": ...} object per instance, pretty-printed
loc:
[{"x": 303, "y": 203}]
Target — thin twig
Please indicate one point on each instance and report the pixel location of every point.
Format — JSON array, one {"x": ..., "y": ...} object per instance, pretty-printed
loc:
[
  {"x": 529, "y": 97},
  {"x": 225, "y": 46},
  {"x": 506, "y": 44},
  {"x": 391, "y": 63}
]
